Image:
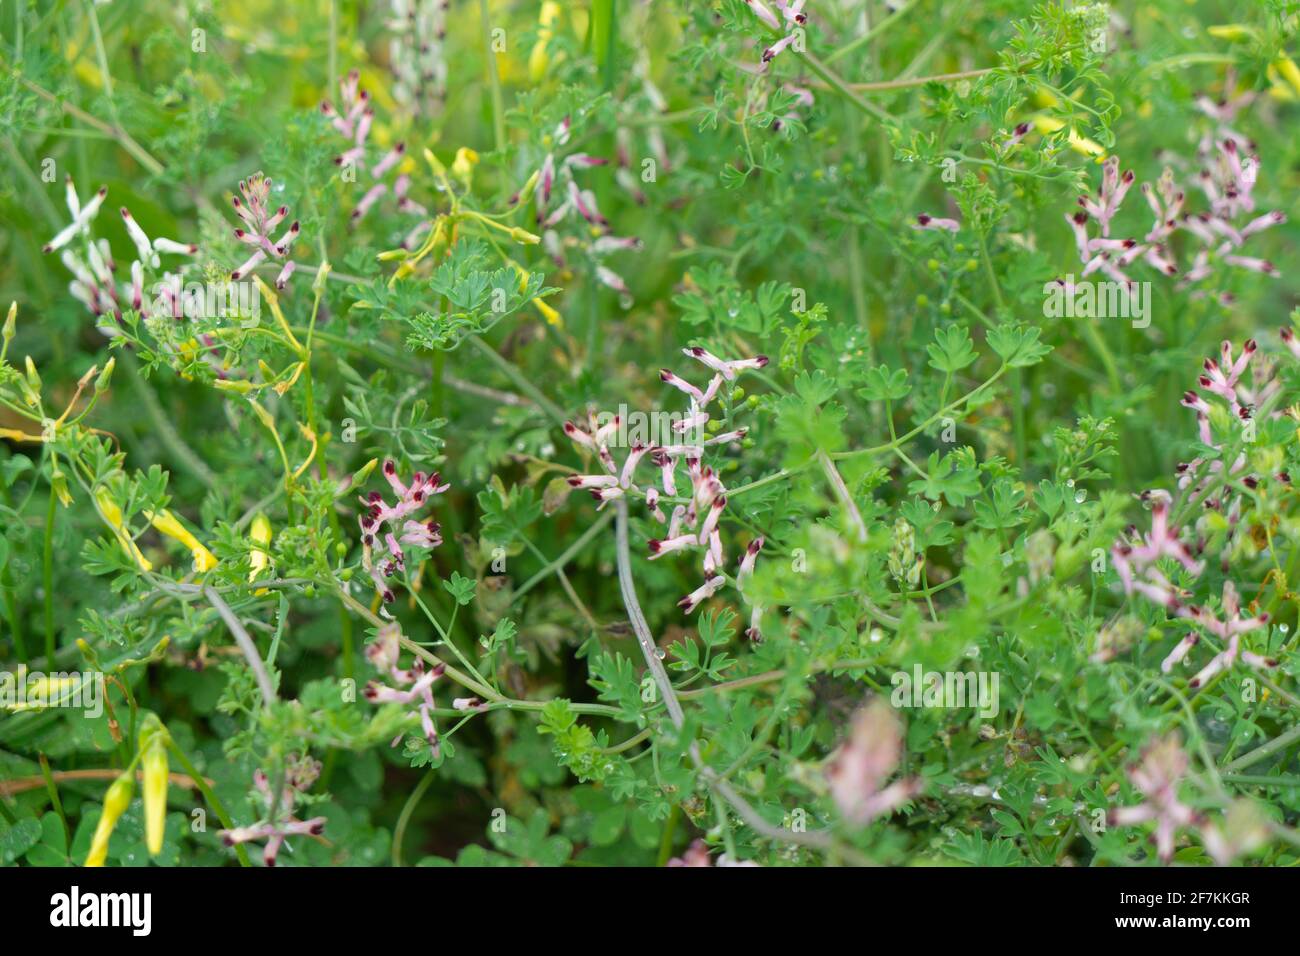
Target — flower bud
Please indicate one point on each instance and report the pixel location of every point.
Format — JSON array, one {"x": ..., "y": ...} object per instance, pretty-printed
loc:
[
  {"x": 106, "y": 376},
  {"x": 153, "y": 749},
  {"x": 116, "y": 799}
]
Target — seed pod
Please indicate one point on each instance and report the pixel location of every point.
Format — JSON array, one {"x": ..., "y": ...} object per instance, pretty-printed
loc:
[{"x": 116, "y": 799}]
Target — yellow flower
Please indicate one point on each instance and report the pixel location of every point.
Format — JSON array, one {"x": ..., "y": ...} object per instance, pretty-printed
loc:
[
  {"x": 462, "y": 167},
  {"x": 113, "y": 515},
  {"x": 116, "y": 799},
  {"x": 1080, "y": 144},
  {"x": 1278, "y": 90},
  {"x": 153, "y": 758},
  {"x": 259, "y": 558},
  {"x": 167, "y": 524},
  {"x": 1231, "y": 31},
  {"x": 1286, "y": 66},
  {"x": 538, "y": 59}
]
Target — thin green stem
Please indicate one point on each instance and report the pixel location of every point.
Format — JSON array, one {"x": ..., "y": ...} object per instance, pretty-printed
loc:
[
  {"x": 494, "y": 80},
  {"x": 217, "y": 806}
]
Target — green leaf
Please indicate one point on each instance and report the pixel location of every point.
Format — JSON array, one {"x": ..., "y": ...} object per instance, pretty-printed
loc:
[
  {"x": 885, "y": 384},
  {"x": 18, "y": 839},
  {"x": 1017, "y": 345},
  {"x": 460, "y": 587},
  {"x": 951, "y": 350}
]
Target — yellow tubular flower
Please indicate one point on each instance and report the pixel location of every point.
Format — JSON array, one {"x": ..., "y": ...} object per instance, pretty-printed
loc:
[
  {"x": 167, "y": 524},
  {"x": 462, "y": 166},
  {"x": 259, "y": 558},
  {"x": 1278, "y": 88},
  {"x": 116, "y": 799},
  {"x": 113, "y": 515},
  {"x": 153, "y": 758},
  {"x": 550, "y": 315},
  {"x": 1286, "y": 66},
  {"x": 1231, "y": 31},
  {"x": 1080, "y": 144},
  {"x": 538, "y": 60}
]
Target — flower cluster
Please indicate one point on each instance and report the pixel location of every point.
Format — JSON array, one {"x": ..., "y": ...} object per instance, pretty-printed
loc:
[
  {"x": 353, "y": 120},
  {"x": 94, "y": 284},
  {"x": 1104, "y": 252},
  {"x": 255, "y": 212},
  {"x": 791, "y": 18},
  {"x": 651, "y": 102},
  {"x": 554, "y": 179},
  {"x": 1135, "y": 557},
  {"x": 1227, "y": 179},
  {"x": 694, "y": 522},
  {"x": 414, "y": 686},
  {"x": 1156, "y": 776},
  {"x": 416, "y": 55},
  {"x": 402, "y": 527},
  {"x": 299, "y": 774},
  {"x": 859, "y": 768}
]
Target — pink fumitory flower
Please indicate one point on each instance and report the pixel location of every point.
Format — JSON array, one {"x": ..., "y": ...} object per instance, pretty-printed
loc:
[
  {"x": 417, "y": 54},
  {"x": 386, "y": 528},
  {"x": 1224, "y": 377},
  {"x": 859, "y": 768},
  {"x": 259, "y": 223},
  {"x": 353, "y": 120},
  {"x": 650, "y": 102},
  {"x": 697, "y": 854},
  {"x": 1156, "y": 776},
  {"x": 414, "y": 686},
  {"x": 926, "y": 221},
  {"x": 1135, "y": 557},
  {"x": 694, "y": 523},
  {"x": 91, "y": 263},
  {"x": 1227, "y": 179},
  {"x": 788, "y": 16},
  {"x": 1105, "y": 253},
  {"x": 1136, "y": 561},
  {"x": 559, "y": 198},
  {"x": 1224, "y": 111},
  {"x": 300, "y": 773}
]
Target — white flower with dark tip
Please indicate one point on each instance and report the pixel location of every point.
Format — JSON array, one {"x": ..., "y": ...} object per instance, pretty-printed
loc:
[
  {"x": 926, "y": 221},
  {"x": 280, "y": 823},
  {"x": 858, "y": 770},
  {"x": 90, "y": 260},
  {"x": 560, "y": 199},
  {"x": 694, "y": 525},
  {"x": 259, "y": 223},
  {"x": 414, "y": 686},
  {"x": 1157, "y": 776},
  {"x": 386, "y": 528}
]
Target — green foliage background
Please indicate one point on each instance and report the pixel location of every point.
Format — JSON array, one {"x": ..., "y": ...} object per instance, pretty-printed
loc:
[{"x": 774, "y": 227}]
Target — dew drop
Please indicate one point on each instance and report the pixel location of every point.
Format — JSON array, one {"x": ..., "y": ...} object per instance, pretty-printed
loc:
[
  {"x": 660, "y": 653},
  {"x": 1079, "y": 496}
]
